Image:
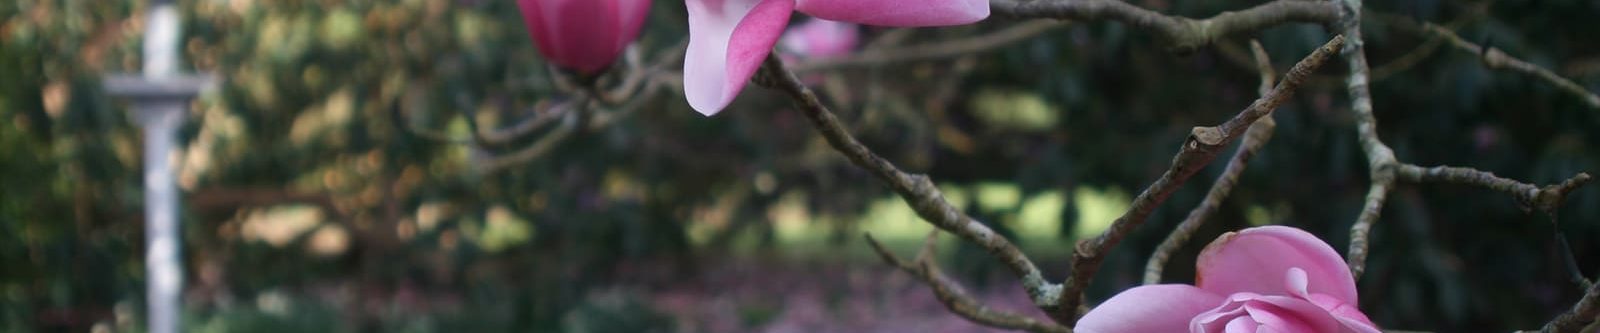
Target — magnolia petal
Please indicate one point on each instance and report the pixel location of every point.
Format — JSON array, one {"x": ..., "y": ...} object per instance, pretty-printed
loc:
[
  {"x": 1272, "y": 313},
  {"x": 1348, "y": 315},
  {"x": 728, "y": 39},
  {"x": 581, "y": 35},
  {"x": 820, "y": 38},
  {"x": 1242, "y": 325},
  {"x": 1256, "y": 259},
  {"x": 1158, "y": 308},
  {"x": 898, "y": 13},
  {"x": 631, "y": 14},
  {"x": 1281, "y": 320}
]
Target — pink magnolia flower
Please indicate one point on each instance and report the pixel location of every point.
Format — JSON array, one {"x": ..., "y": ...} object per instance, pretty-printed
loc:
[
  {"x": 583, "y": 35},
  {"x": 1264, "y": 279},
  {"x": 728, "y": 39},
  {"x": 819, "y": 38}
]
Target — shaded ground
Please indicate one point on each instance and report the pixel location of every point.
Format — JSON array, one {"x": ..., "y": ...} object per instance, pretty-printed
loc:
[{"x": 816, "y": 297}]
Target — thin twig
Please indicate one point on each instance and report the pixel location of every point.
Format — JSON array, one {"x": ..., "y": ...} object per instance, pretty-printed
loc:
[
  {"x": 1181, "y": 33},
  {"x": 1257, "y": 136},
  {"x": 1581, "y": 314},
  {"x": 1197, "y": 151},
  {"x": 398, "y": 117},
  {"x": 955, "y": 298},
  {"x": 639, "y": 76},
  {"x": 932, "y": 51},
  {"x": 497, "y": 138},
  {"x": 543, "y": 145},
  {"x": 1546, "y": 199},
  {"x": 1360, "y": 231},
  {"x": 1385, "y": 170},
  {"x": 1496, "y": 59},
  {"x": 1411, "y": 58},
  {"x": 555, "y": 137},
  {"x": 918, "y": 191}
]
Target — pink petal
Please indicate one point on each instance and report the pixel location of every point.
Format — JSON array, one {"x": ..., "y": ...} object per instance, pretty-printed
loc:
[
  {"x": 898, "y": 13},
  {"x": 1256, "y": 259},
  {"x": 631, "y": 13},
  {"x": 1273, "y": 313},
  {"x": 1158, "y": 308},
  {"x": 1242, "y": 325},
  {"x": 583, "y": 35},
  {"x": 1287, "y": 320},
  {"x": 728, "y": 39},
  {"x": 821, "y": 38},
  {"x": 1351, "y": 317}
]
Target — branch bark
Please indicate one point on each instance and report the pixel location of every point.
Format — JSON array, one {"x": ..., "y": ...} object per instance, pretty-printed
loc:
[
  {"x": 933, "y": 51},
  {"x": 917, "y": 190},
  {"x": 1257, "y": 136},
  {"x": 1546, "y": 199},
  {"x": 1411, "y": 58},
  {"x": 1581, "y": 314},
  {"x": 1385, "y": 170},
  {"x": 954, "y": 297},
  {"x": 1202, "y": 146},
  {"x": 1181, "y": 33},
  {"x": 1496, "y": 59},
  {"x": 1380, "y": 158}
]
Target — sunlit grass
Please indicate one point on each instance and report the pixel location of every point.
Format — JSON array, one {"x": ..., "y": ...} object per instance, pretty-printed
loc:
[
  {"x": 499, "y": 230},
  {"x": 1098, "y": 208},
  {"x": 1036, "y": 219}
]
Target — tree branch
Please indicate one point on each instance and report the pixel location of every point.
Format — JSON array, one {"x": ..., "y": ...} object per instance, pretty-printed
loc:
[
  {"x": 1400, "y": 64},
  {"x": 932, "y": 51},
  {"x": 1377, "y": 194},
  {"x": 917, "y": 190},
  {"x": 555, "y": 137},
  {"x": 1202, "y": 146},
  {"x": 1385, "y": 170},
  {"x": 1181, "y": 33},
  {"x": 1257, "y": 136},
  {"x": 1496, "y": 59},
  {"x": 1546, "y": 199},
  {"x": 954, "y": 297},
  {"x": 1581, "y": 314},
  {"x": 1380, "y": 158},
  {"x": 543, "y": 145}
]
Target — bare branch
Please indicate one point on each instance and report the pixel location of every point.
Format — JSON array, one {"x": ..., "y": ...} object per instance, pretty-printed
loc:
[
  {"x": 1377, "y": 194},
  {"x": 533, "y": 151},
  {"x": 917, "y": 190},
  {"x": 955, "y": 298},
  {"x": 1181, "y": 33},
  {"x": 1202, "y": 146},
  {"x": 501, "y": 137},
  {"x": 481, "y": 137},
  {"x": 397, "y": 116},
  {"x": 1581, "y": 314},
  {"x": 641, "y": 76},
  {"x": 1257, "y": 136},
  {"x": 1496, "y": 59},
  {"x": 555, "y": 137},
  {"x": 933, "y": 51},
  {"x": 1474, "y": 12},
  {"x": 1380, "y": 158},
  {"x": 1546, "y": 199},
  {"x": 1385, "y": 170}
]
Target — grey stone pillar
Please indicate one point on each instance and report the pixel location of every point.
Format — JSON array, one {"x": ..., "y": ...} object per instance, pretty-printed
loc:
[{"x": 158, "y": 98}]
